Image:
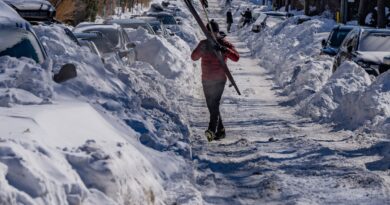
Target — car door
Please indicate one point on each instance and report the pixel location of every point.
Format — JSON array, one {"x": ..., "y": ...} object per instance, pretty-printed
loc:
[{"x": 345, "y": 49}]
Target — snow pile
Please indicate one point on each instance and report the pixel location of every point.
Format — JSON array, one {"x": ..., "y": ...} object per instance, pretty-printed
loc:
[
  {"x": 133, "y": 93},
  {"x": 347, "y": 97},
  {"x": 23, "y": 82},
  {"x": 141, "y": 100},
  {"x": 75, "y": 159},
  {"x": 295, "y": 60},
  {"x": 348, "y": 80}
]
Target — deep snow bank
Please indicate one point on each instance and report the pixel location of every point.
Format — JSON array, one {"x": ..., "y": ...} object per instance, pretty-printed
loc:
[
  {"x": 291, "y": 53},
  {"x": 141, "y": 100}
]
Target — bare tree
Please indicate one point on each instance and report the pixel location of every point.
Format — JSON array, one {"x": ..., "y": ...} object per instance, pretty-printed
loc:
[
  {"x": 381, "y": 14},
  {"x": 362, "y": 13}
]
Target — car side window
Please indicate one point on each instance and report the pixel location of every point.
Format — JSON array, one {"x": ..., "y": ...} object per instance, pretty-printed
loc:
[{"x": 348, "y": 41}]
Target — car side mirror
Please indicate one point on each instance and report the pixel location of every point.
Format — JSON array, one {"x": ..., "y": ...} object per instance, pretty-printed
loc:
[
  {"x": 323, "y": 42},
  {"x": 130, "y": 45},
  {"x": 67, "y": 71}
]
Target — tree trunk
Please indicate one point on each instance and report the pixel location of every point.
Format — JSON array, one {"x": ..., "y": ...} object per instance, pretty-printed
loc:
[
  {"x": 363, "y": 5},
  {"x": 307, "y": 7},
  {"x": 287, "y": 5},
  {"x": 320, "y": 7},
  {"x": 381, "y": 14}
]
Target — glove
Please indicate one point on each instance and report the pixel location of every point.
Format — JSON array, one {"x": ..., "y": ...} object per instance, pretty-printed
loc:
[{"x": 220, "y": 48}]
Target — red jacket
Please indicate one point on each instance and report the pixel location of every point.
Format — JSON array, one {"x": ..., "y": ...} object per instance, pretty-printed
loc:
[{"x": 211, "y": 68}]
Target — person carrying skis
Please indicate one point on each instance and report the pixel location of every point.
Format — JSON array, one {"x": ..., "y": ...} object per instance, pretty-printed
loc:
[
  {"x": 229, "y": 20},
  {"x": 247, "y": 17},
  {"x": 214, "y": 78}
]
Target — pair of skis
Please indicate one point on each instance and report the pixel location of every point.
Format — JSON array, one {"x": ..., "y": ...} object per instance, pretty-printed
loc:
[{"x": 211, "y": 39}]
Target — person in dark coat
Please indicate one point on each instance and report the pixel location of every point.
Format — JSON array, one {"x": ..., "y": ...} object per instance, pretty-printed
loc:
[
  {"x": 229, "y": 20},
  {"x": 214, "y": 77},
  {"x": 247, "y": 17}
]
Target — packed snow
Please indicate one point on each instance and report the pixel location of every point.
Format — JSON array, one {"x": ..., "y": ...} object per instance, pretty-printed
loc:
[{"x": 133, "y": 134}]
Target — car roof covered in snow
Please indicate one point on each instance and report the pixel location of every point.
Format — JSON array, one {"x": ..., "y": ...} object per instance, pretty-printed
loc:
[
  {"x": 96, "y": 26},
  {"x": 125, "y": 21},
  {"x": 346, "y": 27},
  {"x": 30, "y": 4},
  {"x": 9, "y": 18}
]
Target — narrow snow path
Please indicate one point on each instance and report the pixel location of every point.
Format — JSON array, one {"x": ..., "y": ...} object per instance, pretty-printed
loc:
[{"x": 271, "y": 155}]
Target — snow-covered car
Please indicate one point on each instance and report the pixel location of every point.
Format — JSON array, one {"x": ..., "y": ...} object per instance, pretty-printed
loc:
[
  {"x": 256, "y": 12},
  {"x": 109, "y": 39},
  {"x": 158, "y": 27},
  {"x": 167, "y": 19},
  {"x": 369, "y": 48},
  {"x": 331, "y": 45},
  {"x": 92, "y": 47},
  {"x": 132, "y": 23},
  {"x": 33, "y": 10},
  {"x": 259, "y": 24},
  {"x": 17, "y": 39}
]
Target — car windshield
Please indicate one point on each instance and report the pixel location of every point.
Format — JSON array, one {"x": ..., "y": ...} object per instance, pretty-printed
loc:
[
  {"x": 167, "y": 20},
  {"x": 375, "y": 42},
  {"x": 20, "y": 43},
  {"x": 136, "y": 26},
  {"x": 337, "y": 37},
  {"x": 103, "y": 45},
  {"x": 111, "y": 34},
  {"x": 156, "y": 26}
]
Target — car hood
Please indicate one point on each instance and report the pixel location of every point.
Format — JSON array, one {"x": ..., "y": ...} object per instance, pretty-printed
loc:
[
  {"x": 30, "y": 4},
  {"x": 373, "y": 57}
]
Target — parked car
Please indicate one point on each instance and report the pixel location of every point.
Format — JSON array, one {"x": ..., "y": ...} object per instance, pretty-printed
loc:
[
  {"x": 369, "y": 48},
  {"x": 273, "y": 20},
  {"x": 132, "y": 23},
  {"x": 167, "y": 19},
  {"x": 331, "y": 45},
  {"x": 158, "y": 27},
  {"x": 17, "y": 39},
  {"x": 92, "y": 47},
  {"x": 33, "y": 10},
  {"x": 256, "y": 12},
  {"x": 259, "y": 24},
  {"x": 109, "y": 39}
]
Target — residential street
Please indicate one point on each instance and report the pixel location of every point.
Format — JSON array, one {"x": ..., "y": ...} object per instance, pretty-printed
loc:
[{"x": 271, "y": 155}]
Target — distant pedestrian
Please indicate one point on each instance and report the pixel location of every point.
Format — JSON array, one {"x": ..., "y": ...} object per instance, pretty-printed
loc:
[
  {"x": 247, "y": 17},
  {"x": 229, "y": 20}
]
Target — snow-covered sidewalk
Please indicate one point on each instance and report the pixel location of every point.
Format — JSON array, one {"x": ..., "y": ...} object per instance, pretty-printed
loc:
[{"x": 272, "y": 156}]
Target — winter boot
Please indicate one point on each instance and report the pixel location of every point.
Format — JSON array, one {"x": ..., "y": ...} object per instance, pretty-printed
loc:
[
  {"x": 210, "y": 135},
  {"x": 220, "y": 134}
]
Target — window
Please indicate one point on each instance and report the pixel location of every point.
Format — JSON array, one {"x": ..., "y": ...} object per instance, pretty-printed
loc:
[
  {"x": 375, "y": 42},
  {"x": 20, "y": 43}
]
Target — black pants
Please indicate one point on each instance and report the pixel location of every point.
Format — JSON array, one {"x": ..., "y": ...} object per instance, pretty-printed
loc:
[
  {"x": 246, "y": 22},
  {"x": 229, "y": 25},
  {"x": 213, "y": 92}
]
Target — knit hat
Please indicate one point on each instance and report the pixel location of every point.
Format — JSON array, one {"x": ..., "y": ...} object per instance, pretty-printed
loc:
[{"x": 214, "y": 26}]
